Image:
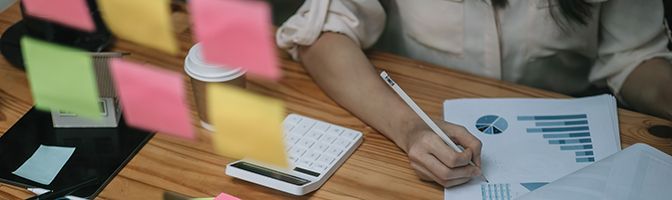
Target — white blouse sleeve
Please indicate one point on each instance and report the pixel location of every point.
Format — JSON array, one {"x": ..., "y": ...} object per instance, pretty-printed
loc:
[
  {"x": 631, "y": 32},
  {"x": 361, "y": 20}
]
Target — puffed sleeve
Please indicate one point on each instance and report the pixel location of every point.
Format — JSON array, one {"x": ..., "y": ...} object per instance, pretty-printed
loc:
[
  {"x": 631, "y": 32},
  {"x": 361, "y": 20}
]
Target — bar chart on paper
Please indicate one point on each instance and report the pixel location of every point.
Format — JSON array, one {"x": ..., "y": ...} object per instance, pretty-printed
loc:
[
  {"x": 507, "y": 191},
  {"x": 570, "y": 133},
  {"x": 530, "y": 142}
]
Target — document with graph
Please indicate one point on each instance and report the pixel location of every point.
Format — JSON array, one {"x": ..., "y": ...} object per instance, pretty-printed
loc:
[
  {"x": 528, "y": 143},
  {"x": 638, "y": 172}
]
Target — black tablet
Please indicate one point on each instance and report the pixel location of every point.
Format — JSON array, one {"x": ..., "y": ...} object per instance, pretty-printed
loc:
[{"x": 100, "y": 152}]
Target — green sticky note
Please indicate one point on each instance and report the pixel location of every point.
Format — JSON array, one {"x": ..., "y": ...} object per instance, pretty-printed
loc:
[{"x": 61, "y": 78}]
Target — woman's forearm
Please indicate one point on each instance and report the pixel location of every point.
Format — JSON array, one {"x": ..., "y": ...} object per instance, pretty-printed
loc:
[{"x": 344, "y": 72}]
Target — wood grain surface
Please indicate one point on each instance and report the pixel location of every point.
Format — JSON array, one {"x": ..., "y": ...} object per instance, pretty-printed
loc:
[{"x": 377, "y": 170}]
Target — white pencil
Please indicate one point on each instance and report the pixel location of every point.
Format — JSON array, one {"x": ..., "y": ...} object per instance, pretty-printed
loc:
[{"x": 423, "y": 116}]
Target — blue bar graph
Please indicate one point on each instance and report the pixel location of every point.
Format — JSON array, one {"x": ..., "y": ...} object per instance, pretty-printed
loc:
[
  {"x": 584, "y": 153},
  {"x": 589, "y": 159},
  {"x": 566, "y": 135},
  {"x": 552, "y": 117},
  {"x": 489, "y": 191},
  {"x": 576, "y": 147},
  {"x": 483, "y": 192},
  {"x": 508, "y": 193},
  {"x": 563, "y": 123},
  {"x": 562, "y": 129},
  {"x": 571, "y": 141},
  {"x": 570, "y": 132},
  {"x": 501, "y": 191}
]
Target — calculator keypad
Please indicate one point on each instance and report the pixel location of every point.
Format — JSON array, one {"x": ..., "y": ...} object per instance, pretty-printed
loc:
[{"x": 316, "y": 145}]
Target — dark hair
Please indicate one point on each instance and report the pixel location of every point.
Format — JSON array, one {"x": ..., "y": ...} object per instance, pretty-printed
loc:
[{"x": 575, "y": 11}]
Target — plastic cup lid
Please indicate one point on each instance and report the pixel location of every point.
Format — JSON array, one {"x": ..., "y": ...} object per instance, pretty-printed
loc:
[{"x": 199, "y": 69}]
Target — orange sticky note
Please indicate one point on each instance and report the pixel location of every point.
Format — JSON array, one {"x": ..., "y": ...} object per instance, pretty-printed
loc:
[
  {"x": 152, "y": 98},
  {"x": 247, "y": 125},
  {"x": 72, "y": 13},
  {"x": 146, "y": 22},
  {"x": 236, "y": 33}
]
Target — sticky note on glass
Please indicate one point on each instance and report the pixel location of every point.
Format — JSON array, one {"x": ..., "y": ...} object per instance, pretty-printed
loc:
[
  {"x": 61, "y": 78},
  {"x": 236, "y": 33},
  {"x": 72, "y": 13},
  {"x": 247, "y": 125},
  {"x": 152, "y": 98},
  {"x": 224, "y": 196},
  {"x": 45, "y": 164},
  {"x": 146, "y": 22}
]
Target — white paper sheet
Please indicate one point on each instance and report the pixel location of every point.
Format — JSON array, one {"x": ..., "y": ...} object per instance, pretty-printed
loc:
[
  {"x": 533, "y": 140},
  {"x": 638, "y": 172}
]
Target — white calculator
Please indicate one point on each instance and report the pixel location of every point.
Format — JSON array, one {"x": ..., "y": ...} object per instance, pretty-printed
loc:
[{"x": 315, "y": 149}]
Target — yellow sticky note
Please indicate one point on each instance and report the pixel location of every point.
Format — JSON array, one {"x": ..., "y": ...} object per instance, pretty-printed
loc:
[
  {"x": 146, "y": 22},
  {"x": 247, "y": 125}
]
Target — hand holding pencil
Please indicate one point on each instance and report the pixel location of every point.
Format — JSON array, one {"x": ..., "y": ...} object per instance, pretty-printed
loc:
[{"x": 455, "y": 162}]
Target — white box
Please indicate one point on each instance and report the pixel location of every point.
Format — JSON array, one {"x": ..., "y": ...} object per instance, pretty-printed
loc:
[{"x": 110, "y": 110}]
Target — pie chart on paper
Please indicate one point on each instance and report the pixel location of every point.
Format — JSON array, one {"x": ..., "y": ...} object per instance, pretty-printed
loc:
[{"x": 491, "y": 124}]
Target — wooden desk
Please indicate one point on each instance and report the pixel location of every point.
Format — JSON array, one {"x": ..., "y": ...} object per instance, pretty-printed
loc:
[{"x": 377, "y": 170}]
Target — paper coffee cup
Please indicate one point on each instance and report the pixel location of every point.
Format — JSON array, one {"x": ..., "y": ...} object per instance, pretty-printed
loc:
[{"x": 203, "y": 73}]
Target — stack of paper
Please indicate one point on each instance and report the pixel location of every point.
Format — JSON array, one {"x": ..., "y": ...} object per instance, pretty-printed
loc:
[
  {"x": 638, "y": 172},
  {"x": 530, "y": 142}
]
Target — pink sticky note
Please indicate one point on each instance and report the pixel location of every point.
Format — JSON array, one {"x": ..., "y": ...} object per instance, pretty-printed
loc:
[
  {"x": 72, "y": 13},
  {"x": 152, "y": 98},
  {"x": 224, "y": 196},
  {"x": 236, "y": 33}
]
